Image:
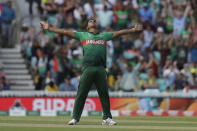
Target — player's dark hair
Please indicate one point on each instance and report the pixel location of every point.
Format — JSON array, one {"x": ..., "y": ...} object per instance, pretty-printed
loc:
[{"x": 91, "y": 18}]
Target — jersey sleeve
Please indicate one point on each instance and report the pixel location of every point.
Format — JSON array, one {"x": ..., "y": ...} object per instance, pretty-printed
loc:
[
  {"x": 108, "y": 35},
  {"x": 78, "y": 35}
]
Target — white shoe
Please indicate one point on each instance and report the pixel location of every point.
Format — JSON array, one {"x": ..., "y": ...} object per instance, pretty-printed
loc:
[
  {"x": 72, "y": 122},
  {"x": 109, "y": 122}
]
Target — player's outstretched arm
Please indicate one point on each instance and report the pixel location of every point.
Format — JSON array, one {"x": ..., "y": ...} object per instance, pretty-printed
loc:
[
  {"x": 45, "y": 26},
  {"x": 135, "y": 29}
]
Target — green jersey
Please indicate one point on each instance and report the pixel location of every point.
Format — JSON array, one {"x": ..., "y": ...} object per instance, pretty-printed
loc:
[
  {"x": 122, "y": 18},
  {"x": 94, "y": 47}
]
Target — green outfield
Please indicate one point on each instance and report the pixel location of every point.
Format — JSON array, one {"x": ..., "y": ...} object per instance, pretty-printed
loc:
[{"x": 38, "y": 123}]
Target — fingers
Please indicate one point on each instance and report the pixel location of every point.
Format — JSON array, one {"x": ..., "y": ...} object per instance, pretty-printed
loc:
[
  {"x": 42, "y": 24},
  {"x": 138, "y": 27}
]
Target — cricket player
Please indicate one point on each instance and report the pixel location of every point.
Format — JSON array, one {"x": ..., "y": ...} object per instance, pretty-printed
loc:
[{"x": 93, "y": 67}]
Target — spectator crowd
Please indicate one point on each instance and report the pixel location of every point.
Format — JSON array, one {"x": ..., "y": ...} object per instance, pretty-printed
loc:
[
  {"x": 7, "y": 16},
  {"x": 162, "y": 57}
]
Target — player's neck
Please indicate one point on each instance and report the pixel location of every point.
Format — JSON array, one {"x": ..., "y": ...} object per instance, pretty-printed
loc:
[{"x": 93, "y": 30}]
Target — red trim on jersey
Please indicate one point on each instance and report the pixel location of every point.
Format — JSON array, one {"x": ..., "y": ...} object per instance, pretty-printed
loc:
[
  {"x": 83, "y": 42},
  {"x": 1, "y": 8},
  {"x": 94, "y": 42}
]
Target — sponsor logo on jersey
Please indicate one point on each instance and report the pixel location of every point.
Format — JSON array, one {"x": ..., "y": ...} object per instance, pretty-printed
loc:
[{"x": 96, "y": 42}]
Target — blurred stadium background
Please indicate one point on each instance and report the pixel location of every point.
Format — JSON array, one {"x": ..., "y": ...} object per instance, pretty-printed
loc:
[{"x": 149, "y": 74}]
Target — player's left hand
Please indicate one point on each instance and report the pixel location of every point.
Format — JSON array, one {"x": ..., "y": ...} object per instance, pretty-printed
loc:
[{"x": 138, "y": 27}]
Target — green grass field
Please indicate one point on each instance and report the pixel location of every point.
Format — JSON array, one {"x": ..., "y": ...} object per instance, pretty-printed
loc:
[{"x": 94, "y": 124}]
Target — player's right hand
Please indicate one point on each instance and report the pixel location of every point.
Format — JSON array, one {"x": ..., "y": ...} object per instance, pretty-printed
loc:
[{"x": 44, "y": 25}]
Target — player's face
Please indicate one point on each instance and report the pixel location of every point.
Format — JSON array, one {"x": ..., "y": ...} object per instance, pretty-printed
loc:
[{"x": 92, "y": 24}]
